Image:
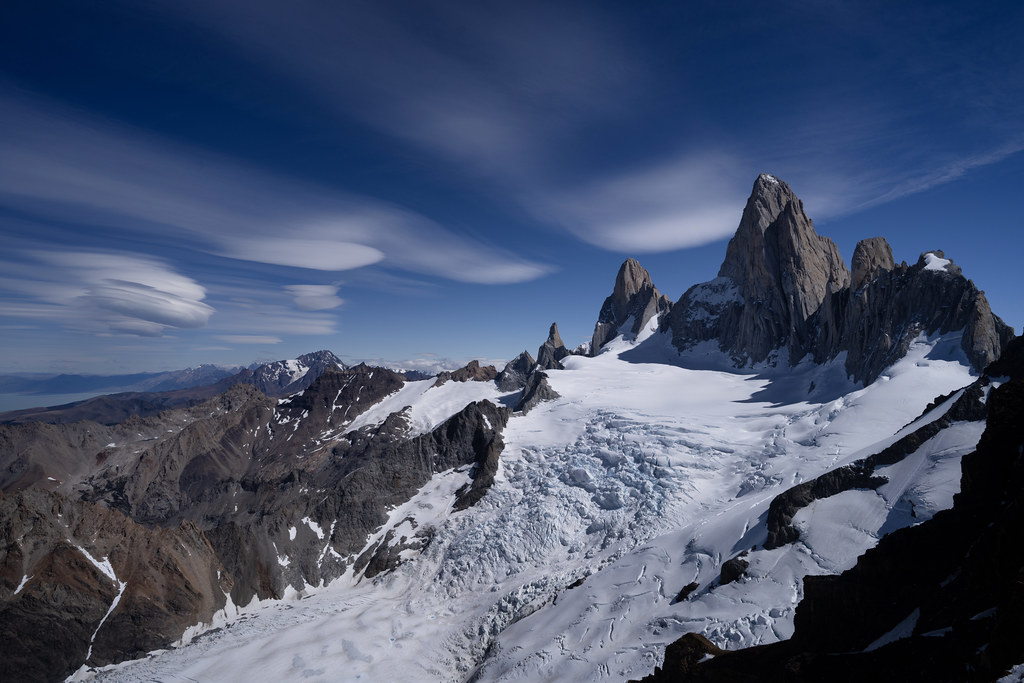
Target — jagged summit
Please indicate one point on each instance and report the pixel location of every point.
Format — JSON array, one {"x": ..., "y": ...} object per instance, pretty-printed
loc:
[
  {"x": 871, "y": 258},
  {"x": 634, "y": 298},
  {"x": 784, "y": 287},
  {"x": 552, "y": 351}
]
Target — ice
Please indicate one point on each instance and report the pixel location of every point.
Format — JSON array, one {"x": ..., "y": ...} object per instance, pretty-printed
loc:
[
  {"x": 935, "y": 262},
  {"x": 641, "y": 478}
]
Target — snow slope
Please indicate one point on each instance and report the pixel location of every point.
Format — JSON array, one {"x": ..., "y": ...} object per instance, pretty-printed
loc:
[{"x": 641, "y": 478}]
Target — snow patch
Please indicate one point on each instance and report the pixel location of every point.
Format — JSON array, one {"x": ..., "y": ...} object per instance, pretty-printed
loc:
[{"x": 933, "y": 261}]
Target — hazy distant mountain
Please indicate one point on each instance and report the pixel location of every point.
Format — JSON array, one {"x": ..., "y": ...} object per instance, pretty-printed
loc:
[
  {"x": 146, "y": 381},
  {"x": 706, "y": 475},
  {"x": 277, "y": 378}
]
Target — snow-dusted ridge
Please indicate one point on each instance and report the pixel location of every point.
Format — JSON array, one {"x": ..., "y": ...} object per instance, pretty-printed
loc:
[{"x": 642, "y": 478}]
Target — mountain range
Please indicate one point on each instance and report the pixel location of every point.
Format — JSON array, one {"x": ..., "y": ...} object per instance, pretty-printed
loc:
[{"x": 796, "y": 459}]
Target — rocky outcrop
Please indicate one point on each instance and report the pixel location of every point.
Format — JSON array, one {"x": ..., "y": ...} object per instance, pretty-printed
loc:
[
  {"x": 552, "y": 351},
  {"x": 513, "y": 376},
  {"x": 265, "y": 480},
  {"x": 80, "y": 584},
  {"x": 471, "y": 372},
  {"x": 732, "y": 570},
  {"x": 783, "y": 287},
  {"x": 380, "y": 473},
  {"x": 876, "y": 322},
  {"x": 537, "y": 389},
  {"x": 634, "y": 298},
  {"x": 242, "y": 499}
]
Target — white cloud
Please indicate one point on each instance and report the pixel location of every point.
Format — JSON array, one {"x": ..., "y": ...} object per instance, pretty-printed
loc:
[
  {"x": 302, "y": 252},
  {"x": 249, "y": 339},
  {"x": 64, "y": 168},
  {"x": 684, "y": 202},
  {"x": 315, "y": 297},
  {"x": 104, "y": 291}
]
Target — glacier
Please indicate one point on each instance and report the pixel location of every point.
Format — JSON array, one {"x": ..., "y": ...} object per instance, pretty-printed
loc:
[{"x": 649, "y": 472}]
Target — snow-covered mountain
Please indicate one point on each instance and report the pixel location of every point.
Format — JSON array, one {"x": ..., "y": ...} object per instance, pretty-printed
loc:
[{"x": 565, "y": 519}]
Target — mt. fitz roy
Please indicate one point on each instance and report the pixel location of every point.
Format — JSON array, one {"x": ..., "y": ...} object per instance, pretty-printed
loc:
[{"x": 681, "y": 482}]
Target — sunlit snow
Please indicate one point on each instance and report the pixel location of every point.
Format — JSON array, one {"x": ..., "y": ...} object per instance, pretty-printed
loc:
[{"x": 641, "y": 478}]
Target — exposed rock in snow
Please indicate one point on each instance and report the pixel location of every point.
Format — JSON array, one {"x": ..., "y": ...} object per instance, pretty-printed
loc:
[
  {"x": 536, "y": 390},
  {"x": 551, "y": 351},
  {"x": 513, "y": 376},
  {"x": 471, "y": 372},
  {"x": 782, "y": 287}
]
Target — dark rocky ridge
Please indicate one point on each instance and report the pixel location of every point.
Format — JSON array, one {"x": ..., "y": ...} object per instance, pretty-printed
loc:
[
  {"x": 969, "y": 407},
  {"x": 633, "y": 297},
  {"x": 536, "y": 390},
  {"x": 471, "y": 372}
]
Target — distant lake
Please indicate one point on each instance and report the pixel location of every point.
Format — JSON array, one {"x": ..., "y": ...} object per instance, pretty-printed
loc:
[{"x": 19, "y": 401}]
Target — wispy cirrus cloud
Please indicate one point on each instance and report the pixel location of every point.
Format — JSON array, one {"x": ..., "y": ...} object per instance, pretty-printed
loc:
[
  {"x": 681, "y": 203},
  {"x": 489, "y": 84},
  {"x": 66, "y": 168}
]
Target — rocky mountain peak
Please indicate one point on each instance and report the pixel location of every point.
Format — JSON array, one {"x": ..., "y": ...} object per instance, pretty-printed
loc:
[
  {"x": 634, "y": 296},
  {"x": 766, "y": 202},
  {"x": 776, "y": 274},
  {"x": 552, "y": 351},
  {"x": 322, "y": 357},
  {"x": 871, "y": 258},
  {"x": 513, "y": 376},
  {"x": 783, "y": 286}
]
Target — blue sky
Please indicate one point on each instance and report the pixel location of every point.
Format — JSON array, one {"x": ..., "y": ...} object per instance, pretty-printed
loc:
[{"x": 218, "y": 181}]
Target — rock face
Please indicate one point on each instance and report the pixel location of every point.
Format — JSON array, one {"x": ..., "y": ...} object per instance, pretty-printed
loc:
[
  {"x": 777, "y": 272},
  {"x": 871, "y": 257},
  {"x": 513, "y": 376},
  {"x": 537, "y": 389},
  {"x": 877, "y": 321},
  {"x": 552, "y": 351},
  {"x": 286, "y": 377},
  {"x": 784, "y": 287},
  {"x": 634, "y": 298}
]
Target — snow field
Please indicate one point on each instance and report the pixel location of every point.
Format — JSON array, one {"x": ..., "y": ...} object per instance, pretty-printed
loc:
[{"x": 641, "y": 478}]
